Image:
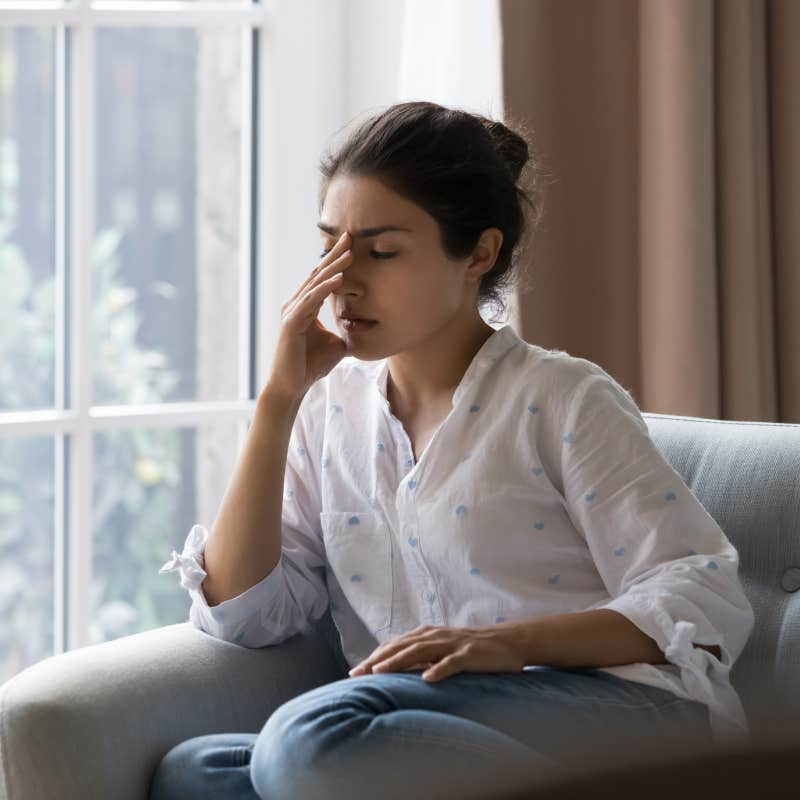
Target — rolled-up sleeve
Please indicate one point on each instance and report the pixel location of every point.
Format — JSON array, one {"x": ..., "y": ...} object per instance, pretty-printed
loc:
[
  {"x": 664, "y": 560},
  {"x": 294, "y": 593}
]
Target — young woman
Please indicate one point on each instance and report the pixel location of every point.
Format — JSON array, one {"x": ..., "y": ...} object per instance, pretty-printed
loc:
[{"x": 520, "y": 581}]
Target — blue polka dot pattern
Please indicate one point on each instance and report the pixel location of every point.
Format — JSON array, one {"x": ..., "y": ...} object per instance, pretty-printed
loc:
[
  {"x": 493, "y": 538},
  {"x": 497, "y": 542}
]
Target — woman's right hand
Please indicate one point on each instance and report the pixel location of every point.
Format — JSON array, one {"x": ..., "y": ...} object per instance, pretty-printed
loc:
[{"x": 306, "y": 349}]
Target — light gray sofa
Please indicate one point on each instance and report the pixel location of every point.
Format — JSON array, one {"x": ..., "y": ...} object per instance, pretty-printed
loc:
[{"x": 93, "y": 723}]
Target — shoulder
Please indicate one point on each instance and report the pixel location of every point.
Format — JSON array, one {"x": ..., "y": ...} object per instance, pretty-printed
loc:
[
  {"x": 569, "y": 382},
  {"x": 560, "y": 370}
]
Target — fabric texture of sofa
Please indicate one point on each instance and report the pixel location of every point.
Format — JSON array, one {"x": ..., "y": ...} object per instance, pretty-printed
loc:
[{"x": 93, "y": 723}]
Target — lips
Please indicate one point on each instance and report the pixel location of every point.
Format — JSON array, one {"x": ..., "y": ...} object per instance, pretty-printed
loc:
[{"x": 356, "y": 319}]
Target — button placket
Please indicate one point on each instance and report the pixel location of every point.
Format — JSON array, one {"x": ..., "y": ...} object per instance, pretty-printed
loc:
[{"x": 418, "y": 570}]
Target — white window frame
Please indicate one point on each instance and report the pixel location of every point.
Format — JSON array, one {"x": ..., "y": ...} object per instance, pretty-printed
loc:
[
  {"x": 318, "y": 63},
  {"x": 281, "y": 215}
]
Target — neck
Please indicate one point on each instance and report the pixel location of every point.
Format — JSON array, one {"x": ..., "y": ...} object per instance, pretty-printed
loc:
[{"x": 428, "y": 375}]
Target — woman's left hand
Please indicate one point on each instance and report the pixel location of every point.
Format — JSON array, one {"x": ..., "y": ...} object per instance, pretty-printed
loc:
[{"x": 446, "y": 651}]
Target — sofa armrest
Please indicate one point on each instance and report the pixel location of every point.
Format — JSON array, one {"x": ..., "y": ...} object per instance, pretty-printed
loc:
[{"x": 94, "y": 723}]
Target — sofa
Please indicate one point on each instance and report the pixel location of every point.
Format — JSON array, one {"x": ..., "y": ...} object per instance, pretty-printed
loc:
[{"x": 93, "y": 723}]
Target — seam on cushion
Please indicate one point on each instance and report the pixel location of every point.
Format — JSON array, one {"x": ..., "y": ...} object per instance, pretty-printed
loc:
[{"x": 654, "y": 415}]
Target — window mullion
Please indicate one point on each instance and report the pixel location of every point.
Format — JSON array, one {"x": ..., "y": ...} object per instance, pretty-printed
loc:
[
  {"x": 81, "y": 136},
  {"x": 245, "y": 222},
  {"x": 60, "y": 504}
]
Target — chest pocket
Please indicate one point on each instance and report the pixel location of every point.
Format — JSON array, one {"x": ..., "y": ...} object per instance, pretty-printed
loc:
[{"x": 358, "y": 547}]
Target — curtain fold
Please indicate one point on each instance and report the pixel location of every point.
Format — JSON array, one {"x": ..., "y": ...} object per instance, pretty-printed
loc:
[{"x": 669, "y": 250}]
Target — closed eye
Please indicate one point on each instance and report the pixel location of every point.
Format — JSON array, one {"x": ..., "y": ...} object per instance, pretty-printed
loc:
[{"x": 373, "y": 253}]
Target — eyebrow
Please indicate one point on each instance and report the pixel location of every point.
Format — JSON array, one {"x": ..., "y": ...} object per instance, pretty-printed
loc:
[{"x": 363, "y": 232}]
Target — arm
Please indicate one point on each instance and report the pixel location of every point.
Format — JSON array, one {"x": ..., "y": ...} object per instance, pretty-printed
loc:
[
  {"x": 278, "y": 585},
  {"x": 245, "y": 542},
  {"x": 666, "y": 563},
  {"x": 598, "y": 638}
]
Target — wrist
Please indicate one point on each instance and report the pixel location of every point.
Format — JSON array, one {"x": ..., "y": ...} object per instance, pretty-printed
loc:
[{"x": 521, "y": 638}]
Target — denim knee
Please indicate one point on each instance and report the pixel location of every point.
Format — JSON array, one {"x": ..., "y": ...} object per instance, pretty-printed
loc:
[
  {"x": 288, "y": 757},
  {"x": 176, "y": 772},
  {"x": 193, "y": 767}
]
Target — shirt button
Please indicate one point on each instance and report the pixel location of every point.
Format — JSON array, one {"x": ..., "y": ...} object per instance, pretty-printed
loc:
[{"x": 429, "y": 596}]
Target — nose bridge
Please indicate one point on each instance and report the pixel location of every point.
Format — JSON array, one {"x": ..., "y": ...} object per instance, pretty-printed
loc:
[{"x": 354, "y": 267}]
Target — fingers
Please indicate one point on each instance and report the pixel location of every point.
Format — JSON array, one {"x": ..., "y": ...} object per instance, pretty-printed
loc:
[
  {"x": 397, "y": 660},
  {"x": 421, "y": 634},
  {"x": 309, "y": 304},
  {"x": 338, "y": 254}
]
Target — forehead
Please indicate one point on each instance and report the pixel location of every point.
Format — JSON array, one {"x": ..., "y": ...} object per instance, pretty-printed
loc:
[{"x": 365, "y": 207}]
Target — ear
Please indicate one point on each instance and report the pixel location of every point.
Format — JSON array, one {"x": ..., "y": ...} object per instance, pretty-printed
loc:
[{"x": 485, "y": 253}]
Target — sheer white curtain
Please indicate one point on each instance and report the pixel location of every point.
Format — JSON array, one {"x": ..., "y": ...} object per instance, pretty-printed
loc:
[{"x": 451, "y": 54}]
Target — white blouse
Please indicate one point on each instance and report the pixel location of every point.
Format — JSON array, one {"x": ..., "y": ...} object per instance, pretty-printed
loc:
[{"x": 540, "y": 493}]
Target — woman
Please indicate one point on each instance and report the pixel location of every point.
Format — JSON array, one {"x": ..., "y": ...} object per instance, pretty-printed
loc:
[{"x": 521, "y": 582}]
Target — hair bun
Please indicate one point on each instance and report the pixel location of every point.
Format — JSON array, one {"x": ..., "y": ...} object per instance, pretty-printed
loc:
[{"x": 510, "y": 146}]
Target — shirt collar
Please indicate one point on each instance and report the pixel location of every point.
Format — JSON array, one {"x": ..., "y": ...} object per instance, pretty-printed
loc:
[{"x": 502, "y": 340}]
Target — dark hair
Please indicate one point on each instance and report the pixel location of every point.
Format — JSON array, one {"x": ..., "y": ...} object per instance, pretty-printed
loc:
[{"x": 460, "y": 167}]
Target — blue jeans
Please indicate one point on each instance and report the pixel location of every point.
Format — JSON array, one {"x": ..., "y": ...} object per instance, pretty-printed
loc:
[{"x": 469, "y": 735}]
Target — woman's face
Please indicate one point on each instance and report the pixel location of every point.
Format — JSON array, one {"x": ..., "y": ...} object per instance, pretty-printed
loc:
[{"x": 413, "y": 290}]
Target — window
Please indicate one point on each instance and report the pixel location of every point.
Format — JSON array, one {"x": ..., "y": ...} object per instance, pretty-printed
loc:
[{"x": 128, "y": 150}]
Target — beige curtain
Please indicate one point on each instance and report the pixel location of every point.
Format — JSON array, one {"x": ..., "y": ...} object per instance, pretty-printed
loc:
[{"x": 669, "y": 248}]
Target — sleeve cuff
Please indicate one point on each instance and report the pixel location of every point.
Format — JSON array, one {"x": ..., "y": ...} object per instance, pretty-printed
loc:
[
  {"x": 234, "y": 618},
  {"x": 676, "y": 640},
  {"x": 190, "y": 562}
]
